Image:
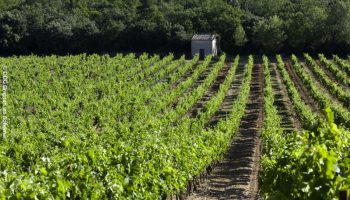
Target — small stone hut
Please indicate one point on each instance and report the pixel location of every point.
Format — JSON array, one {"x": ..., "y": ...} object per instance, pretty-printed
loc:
[{"x": 205, "y": 44}]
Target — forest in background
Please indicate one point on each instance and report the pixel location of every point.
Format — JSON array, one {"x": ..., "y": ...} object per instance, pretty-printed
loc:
[{"x": 95, "y": 26}]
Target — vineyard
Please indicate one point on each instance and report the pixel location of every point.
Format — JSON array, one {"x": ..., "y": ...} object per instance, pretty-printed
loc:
[{"x": 146, "y": 127}]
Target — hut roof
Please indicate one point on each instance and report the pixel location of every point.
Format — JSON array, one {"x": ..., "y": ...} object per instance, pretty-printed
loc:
[{"x": 203, "y": 37}]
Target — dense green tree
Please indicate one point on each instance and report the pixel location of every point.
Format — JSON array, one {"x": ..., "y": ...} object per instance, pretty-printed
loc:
[
  {"x": 339, "y": 21},
  {"x": 306, "y": 25},
  {"x": 63, "y": 26},
  {"x": 226, "y": 21},
  {"x": 8, "y": 4},
  {"x": 263, "y": 7},
  {"x": 13, "y": 28},
  {"x": 269, "y": 33},
  {"x": 239, "y": 36}
]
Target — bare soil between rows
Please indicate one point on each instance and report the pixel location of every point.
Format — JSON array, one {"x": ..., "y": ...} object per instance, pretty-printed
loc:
[
  {"x": 214, "y": 88},
  {"x": 289, "y": 118},
  {"x": 231, "y": 95},
  {"x": 304, "y": 94},
  {"x": 236, "y": 175}
]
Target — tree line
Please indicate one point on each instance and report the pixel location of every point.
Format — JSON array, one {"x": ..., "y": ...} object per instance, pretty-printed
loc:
[{"x": 261, "y": 26}]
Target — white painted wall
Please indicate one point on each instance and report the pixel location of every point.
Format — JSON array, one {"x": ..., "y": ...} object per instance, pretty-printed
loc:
[
  {"x": 214, "y": 48},
  {"x": 208, "y": 46}
]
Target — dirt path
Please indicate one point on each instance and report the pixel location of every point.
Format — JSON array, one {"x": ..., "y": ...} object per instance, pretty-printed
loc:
[
  {"x": 236, "y": 175},
  {"x": 214, "y": 88},
  {"x": 283, "y": 103},
  {"x": 230, "y": 97},
  {"x": 304, "y": 93}
]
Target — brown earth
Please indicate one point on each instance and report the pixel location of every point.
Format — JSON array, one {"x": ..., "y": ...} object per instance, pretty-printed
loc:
[
  {"x": 304, "y": 94},
  {"x": 236, "y": 175},
  {"x": 283, "y": 103}
]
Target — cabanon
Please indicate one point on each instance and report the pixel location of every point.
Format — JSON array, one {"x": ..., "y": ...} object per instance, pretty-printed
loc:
[{"x": 205, "y": 44}]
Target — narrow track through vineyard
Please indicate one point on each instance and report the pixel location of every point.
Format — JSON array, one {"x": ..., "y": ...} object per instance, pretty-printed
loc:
[
  {"x": 231, "y": 96},
  {"x": 301, "y": 88},
  {"x": 290, "y": 121},
  {"x": 236, "y": 175},
  {"x": 193, "y": 112}
]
